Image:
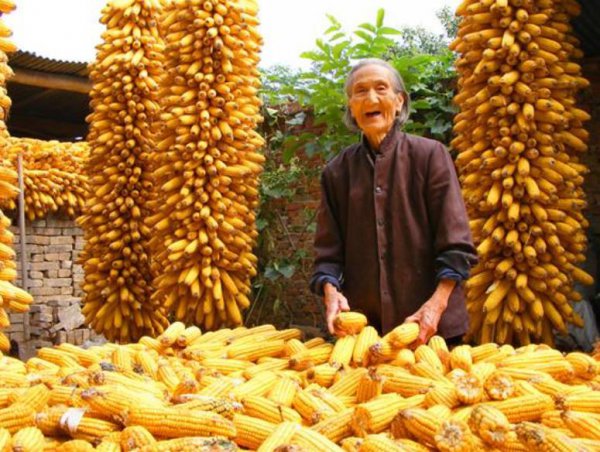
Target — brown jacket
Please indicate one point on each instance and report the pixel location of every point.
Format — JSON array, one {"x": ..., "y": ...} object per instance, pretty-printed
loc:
[{"x": 386, "y": 225}]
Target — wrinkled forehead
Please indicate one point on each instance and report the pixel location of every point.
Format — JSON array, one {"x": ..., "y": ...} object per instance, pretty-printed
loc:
[{"x": 370, "y": 73}]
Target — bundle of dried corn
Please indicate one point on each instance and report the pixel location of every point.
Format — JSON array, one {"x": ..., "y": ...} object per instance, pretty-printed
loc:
[
  {"x": 124, "y": 103},
  {"x": 11, "y": 297},
  {"x": 207, "y": 164},
  {"x": 519, "y": 137},
  {"x": 6, "y": 46},
  {"x": 53, "y": 175}
]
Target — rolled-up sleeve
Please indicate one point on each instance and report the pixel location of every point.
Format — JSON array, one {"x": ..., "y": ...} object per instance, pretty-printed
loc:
[
  {"x": 450, "y": 224},
  {"x": 328, "y": 243}
]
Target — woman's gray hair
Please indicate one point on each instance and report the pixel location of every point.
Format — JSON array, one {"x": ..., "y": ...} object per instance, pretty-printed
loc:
[{"x": 397, "y": 85}]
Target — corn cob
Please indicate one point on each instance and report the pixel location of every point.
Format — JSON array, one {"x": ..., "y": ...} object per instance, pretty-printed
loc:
[
  {"x": 75, "y": 445},
  {"x": 210, "y": 109},
  {"x": 379, "y": 443},
  {"x": 539, "y": 438},
  {"x": 403, "y": 335},
  {"x": 116, "y": 256},
  {"x": 174, "y": 423},
  {"x": 282, "y": 435},
  {"x": 469, "y": 389},
  {"x": 311, "y": 408},
  {"x": 588, "y": 402},
  {"x": 337, "y": 426},
  {"x": 267, "y": 410},
  {"x": 135, "y": 437},
  {"x": 284, "y": 391},
  {"x": 312, "y": 440},
  {"x": 421, "y": 424},
  {"x": 191, "y": 444},
  {"x": 367, "y": 337},
  {"x": 404, "y": 383},
  {"x": 350, "y": 323},
  {"x": 260, "y": 385},
  {"x": 341, "y": 355},
  {"x": 324, "y": 375},
  {"x": 499, "y": 386},
  {"x": 490, "y": 424},
  {"x": 348, "y": 383},
  {"x": 352, "y": 443},
  {"x": 460, "y": 357},
  {"x": 584, "y": 365},
  {"x": 108, "y": 446},
  {"x": 28, "y": 439},
  {"x": 525, "y": 407},
  {"x": 444, "y": 394},
  {"x": 369, "y": 386},
  {"x": 251, "y": 432},
  {"x": 311, "y": 357},
  {"x": 4, "y": 440},
  {"x": 16, "y": 417},
  {"x": 375, "y": 415},
  {"x": 454, "y": 436},
  {"x": 582, "y": 424},
  {"x": 404, "y": 358},
  {"x": 254, "y": 351}
]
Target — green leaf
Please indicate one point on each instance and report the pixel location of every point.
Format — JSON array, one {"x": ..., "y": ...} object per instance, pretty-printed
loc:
[
  {"x": 380, "y": 16},
  {"x": 337, "y": 36},
  {"x": 420, "y": 104},
  {"x": 315, "y": 56},
  {"x": 271, "y": 273},
  {"x": 261, "y": 223},
  {"x": 287, "y": 270},
  {"x": 369, "y": 27},
  {"x": 363, "y": 35},
  {"x": 389, "y": 31}
]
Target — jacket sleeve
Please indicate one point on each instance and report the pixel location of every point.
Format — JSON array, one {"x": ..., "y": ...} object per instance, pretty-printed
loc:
[
  {"x": 328, "y": 244},
  {"x": 450, "y": 225}
]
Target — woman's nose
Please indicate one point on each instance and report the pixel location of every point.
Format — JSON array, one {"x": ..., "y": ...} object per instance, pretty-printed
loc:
[{"x": 372, "y": 95}]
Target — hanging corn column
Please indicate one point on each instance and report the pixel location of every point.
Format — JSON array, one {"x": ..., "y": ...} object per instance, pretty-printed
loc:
[
  {"x": 12, "y": 298},
  {"x": 6, "y": 46},
  {"x": 116, "y": 259},
  {"x": 207, "y": 165},
  {"x": 519, "y": 137},
  {"x": 53, "y": 175}
]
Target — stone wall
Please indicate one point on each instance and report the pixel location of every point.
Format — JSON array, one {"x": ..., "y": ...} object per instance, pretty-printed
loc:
[{"x": 54, "y": 280}]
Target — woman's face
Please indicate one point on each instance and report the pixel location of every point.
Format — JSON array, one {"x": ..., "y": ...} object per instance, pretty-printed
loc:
[{"x": 373, "y": 102}]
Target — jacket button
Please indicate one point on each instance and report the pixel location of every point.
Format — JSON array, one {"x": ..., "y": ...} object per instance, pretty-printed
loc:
[
  {"x": 377, "y": 189},
  {"x": 381, "y": 222}
]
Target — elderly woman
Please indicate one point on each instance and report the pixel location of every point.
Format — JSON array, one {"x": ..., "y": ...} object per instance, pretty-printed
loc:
[{"x": 392, "y": 237}]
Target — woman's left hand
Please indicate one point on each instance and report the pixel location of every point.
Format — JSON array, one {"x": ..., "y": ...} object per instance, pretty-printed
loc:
[{"x": 428, "y": 317}]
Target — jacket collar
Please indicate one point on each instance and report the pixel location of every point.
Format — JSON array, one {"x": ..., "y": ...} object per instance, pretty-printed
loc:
[{"x": 387, "y": 145}]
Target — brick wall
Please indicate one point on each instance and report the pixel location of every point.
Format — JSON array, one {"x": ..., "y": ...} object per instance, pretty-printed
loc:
[{"x": 54, "y": 277}]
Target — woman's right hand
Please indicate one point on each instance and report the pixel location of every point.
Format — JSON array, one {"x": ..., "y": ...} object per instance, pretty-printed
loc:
[{"x": 335, "y": 303}]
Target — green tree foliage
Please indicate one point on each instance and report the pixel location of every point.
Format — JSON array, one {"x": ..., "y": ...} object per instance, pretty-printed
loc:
[{"x": 421, "y": 57}]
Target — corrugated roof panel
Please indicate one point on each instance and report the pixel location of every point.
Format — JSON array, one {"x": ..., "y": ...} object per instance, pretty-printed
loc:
[{"x": 29, "y": 60}]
